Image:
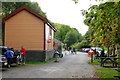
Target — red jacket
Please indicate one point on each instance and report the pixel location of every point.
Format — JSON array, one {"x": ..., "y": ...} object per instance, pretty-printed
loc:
[{"x": 23, "y": 51}]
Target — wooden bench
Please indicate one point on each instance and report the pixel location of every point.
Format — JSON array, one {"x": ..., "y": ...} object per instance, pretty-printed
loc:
[
  {"x": 118, "y": 76},
  {"x": 108, "y": 60},
  {"x": 117, "y": 70}
]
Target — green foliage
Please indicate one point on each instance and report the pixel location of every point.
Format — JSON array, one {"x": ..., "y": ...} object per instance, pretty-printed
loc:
[
  {"x": 76, "y": 1},
  {"x": 103, "y": 23},
  {"x": 62, "y": 30},
  {"x": 70, "y": 38},
  {"x": 82, "y": 44},
  {"x": 67, "y": 34},
  {"x": 9, "y": 7},
  {"x": 59, "y": 47},
  {"x": 56, "y": 61}
]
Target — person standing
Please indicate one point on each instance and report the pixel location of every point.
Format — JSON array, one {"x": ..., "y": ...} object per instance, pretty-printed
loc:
[
  {"x": 69, "y": 49},
  {"x": 23, "y": 52},
  {"x": 9, "y": 55},
  {"x": 102, "y": 53},
  {"x": 74, "y": 50}
]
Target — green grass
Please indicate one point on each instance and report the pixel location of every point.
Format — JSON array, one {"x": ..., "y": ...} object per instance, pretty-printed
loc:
[
  {"x": 36, "y": 62},
  {"x": 94, "y": 62},
  {"x": 107, "y": 73},
  {"x": 56, "y": 61}
]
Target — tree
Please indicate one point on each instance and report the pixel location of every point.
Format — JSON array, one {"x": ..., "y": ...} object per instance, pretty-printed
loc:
[
  {"x": 83, "y": 44},
  {"x": 9, "y": 7},
  {"x": 67, "y": 34},
  {"x": 62, "y": 30},
  {"x": 79, "y": 36},
  {"x": 103, "y": 22},
  {"x": 76, "y": 1},
  {"x": 72, "y": 37}
]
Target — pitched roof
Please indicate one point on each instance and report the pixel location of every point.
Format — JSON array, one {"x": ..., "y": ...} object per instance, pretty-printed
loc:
[
  {"x": 30, "y": 11},
  {"x": 58, "y": 41}
]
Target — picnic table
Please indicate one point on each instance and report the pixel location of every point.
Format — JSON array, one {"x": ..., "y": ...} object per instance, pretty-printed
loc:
[
  {"x": 118, "y": 76},
  {"x": 108, "y": 60}
]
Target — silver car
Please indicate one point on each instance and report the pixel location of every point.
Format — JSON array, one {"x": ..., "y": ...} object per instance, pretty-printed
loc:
[{"x": 3, "y": 59}]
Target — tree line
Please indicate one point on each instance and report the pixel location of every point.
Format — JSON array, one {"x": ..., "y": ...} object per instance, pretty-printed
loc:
[
  {"x": 104, "y": 25},
  {"x": 67, "y": 35},
  {"x": 9, "y": 7}
]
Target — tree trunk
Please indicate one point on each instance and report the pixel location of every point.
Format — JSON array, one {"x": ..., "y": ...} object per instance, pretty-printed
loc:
[
  {"x": 108, "y": 52},
  {"x": 113, "y": 49},
  {"x": 91, "y": 57}
]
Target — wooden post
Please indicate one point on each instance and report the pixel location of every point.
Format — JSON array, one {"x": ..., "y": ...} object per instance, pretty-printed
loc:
[
  {"x": 113, "y": 49},
  {"x": 108, "y": 52},
  {"x": 91, "y": 57}
]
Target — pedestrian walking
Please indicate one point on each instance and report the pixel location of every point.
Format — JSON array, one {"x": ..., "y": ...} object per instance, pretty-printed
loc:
[
  {"x": 74, "y": 50},
  {"x": 23, "y": 52},
  {"x": 9, "y": 55},
  {"x": 102, "y": 53},
  {"x": 94, "y": 53},
  {"x": 69, "y": 49}
]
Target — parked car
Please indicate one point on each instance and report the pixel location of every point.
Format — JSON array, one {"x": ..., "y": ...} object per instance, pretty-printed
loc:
[
  {"x": 97, "y": 49},
  {"x": 17, "y": 58},
  {"x": 3, "y": 59},
  {"x": 83, "y": 49},
  {"x": 87, "y": 49}
]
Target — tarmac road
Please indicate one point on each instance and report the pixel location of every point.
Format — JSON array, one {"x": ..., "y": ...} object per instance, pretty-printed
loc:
[{"x": 70, "y": 66}]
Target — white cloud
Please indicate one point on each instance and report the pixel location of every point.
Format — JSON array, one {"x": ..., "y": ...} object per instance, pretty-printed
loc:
[{"x": 66, "y": 12}]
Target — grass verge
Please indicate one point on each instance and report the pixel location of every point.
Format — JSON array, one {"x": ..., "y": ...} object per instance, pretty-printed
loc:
[
  {"x": 107, "y": 73},
  {"x": 94, "y": 62},
  {"x": 39, "y": 62},
  {"x": 56, "y": 61},
  {"x": 36, "y": 62}
]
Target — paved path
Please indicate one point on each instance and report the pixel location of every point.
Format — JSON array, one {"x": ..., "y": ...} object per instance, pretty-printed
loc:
[{"x": 70, "y": 66}]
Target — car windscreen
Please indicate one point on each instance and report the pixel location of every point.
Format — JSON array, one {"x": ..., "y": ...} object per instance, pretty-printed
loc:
[{"x": 3, "y": 50}]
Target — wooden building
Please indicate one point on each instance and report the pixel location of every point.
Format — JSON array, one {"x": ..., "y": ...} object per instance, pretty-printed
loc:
[{"x": 26, "y": 28}]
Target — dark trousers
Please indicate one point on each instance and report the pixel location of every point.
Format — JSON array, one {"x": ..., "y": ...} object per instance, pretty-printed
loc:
[
  {"x": 9, "y": 61},
  {"x": 23, "y": 59}
]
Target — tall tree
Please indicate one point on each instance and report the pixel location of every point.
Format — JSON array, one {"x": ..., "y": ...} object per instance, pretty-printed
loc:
[
  {"x": 9, "y": 7},
  {"x": 62, "y": 30},
  {"x": 72, "y": 37},
  {"x": 103, "y": 21}
]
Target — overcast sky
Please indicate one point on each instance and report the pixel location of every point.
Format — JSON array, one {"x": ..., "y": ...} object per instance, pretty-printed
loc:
[{"x": 66, "y": 12}]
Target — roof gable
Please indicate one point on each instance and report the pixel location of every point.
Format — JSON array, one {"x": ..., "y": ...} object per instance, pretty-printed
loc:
[
  {"x": 30, "y": 11},
  {"x": 27, "y": 9}
]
